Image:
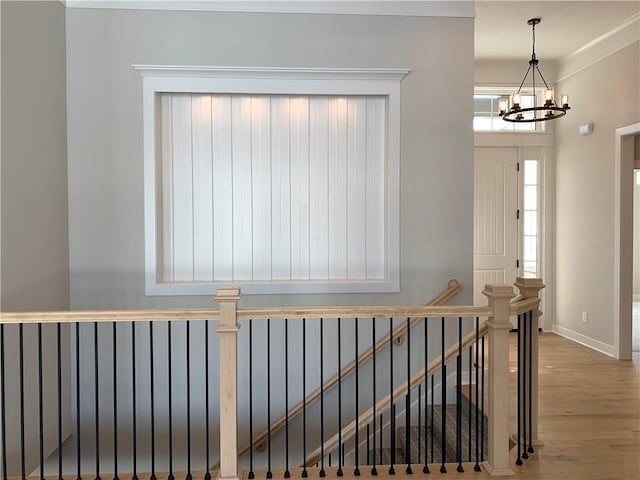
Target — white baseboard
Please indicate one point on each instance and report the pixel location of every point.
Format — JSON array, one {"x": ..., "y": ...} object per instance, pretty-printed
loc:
[{"x": 592, "y": 343}]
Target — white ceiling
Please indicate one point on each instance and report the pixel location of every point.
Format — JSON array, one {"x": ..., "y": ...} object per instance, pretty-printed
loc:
[{"x": 501, "y": 30}]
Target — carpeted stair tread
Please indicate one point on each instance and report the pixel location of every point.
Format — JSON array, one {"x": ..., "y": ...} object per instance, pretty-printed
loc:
[{"x": 451, "y": 441}]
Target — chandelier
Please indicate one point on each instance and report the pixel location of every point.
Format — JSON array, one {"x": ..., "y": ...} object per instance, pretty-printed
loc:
[{"x": 514, "y": 111}]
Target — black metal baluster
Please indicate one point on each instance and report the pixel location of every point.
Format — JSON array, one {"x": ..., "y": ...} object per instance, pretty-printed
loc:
[
  {"x": 134, "y": 402},
  {"x": 482, "y": 402},
  {"x": 392, "y": 470},
  {"x": 322, "y": 472},
  {"x": 22, "y": 435},
  {"x": 523, "y": 375},
  {"x": 419, "y": 423},
  {"x": 380, "y": 449},
  {"x": 459, "y": 398},
  {"x": 339, "y": 471},
  {"x": 97, "y": 399},
  {"x": 391, "y": 400},
  {"x": 189, "y": 476},
  {"x": 368, "y": 445},
  {"x": 342, "y": 455},
  {"x": 425, "y": 468},
  {"x": 432, "y": 417},
  {"x": 374, "y": 470},
  {"x": 3, "y": 434},
  {"x": 78, "y": 442},
  {"x": 407, "y": 417},
  {"x": 530, "y": 381},
  {"x": 329, "y": 459},
  {"x": 171, "y": 476},
  {"x": 518, "y": 459},
  {"x": 207, "y": 475},
  {"x": 407, "y": 413},
  {"x": 287, "y": 473},
  {"x": 269, "y": 473},
  {"x": 443, "y": 468},
  {"x": 251, "y": 473},
  {"x": 3, "y": 440},
  {"x": 115, "y": 405},
  {"x": 356, "y": 471},
  {"x": 476, "y": 467},
  {"x": 153, "y": 402},
  {"x": 40, "y": 406},
  {"x": 470, "y": 413},
  {"x": 304, "y": 398},
  {"x": 59, "y": 361}
]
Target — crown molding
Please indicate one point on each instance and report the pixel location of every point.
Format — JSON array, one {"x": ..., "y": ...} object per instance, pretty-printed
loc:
[
  {"x": 289, "y": 73},
  {"x": 625, "y": 34},
  {"x": 417, "y": 8}
]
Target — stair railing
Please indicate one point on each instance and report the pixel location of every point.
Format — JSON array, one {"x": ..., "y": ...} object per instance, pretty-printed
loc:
[
  {"x": 399, "y": 393},
  {"x": 526, "y": 308},
  {"x": 453, "y": 288},
  {"x": 25, "y": 399},
  {"x": 498, "y": 324}
]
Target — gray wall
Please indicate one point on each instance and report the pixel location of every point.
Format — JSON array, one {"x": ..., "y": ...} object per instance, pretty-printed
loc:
[
  {"x": 35, "y": 271},
  {"x": 105, "y": 133},
  {"x": 584, "y": 192},
  {"x": 106, "y": 158}
]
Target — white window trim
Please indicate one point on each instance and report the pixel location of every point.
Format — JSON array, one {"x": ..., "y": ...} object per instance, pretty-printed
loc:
[{"x": 268, "y": 80}]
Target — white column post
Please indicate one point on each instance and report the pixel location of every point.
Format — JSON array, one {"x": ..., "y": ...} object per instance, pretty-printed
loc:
[
  {"x": 227, "y": 336},
  {"x": 530, "y": 288},
  {"x": 498, "y": 462}
]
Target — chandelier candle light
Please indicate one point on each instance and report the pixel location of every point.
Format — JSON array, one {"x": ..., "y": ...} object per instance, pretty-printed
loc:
[{"x": 514, "y": 112}]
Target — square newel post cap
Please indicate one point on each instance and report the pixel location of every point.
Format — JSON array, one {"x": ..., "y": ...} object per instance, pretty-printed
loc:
[
  {"x": 229, "y": 294},
  {"x": 499, "y": 297},
  {"x": 529, "y": 286},
  {"x": 498, "y": 291}
]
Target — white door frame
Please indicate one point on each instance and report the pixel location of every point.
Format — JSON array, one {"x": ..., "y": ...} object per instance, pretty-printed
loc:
[
  {"x": 525, "y": 140},
  {"x": 623, "y": 240}
]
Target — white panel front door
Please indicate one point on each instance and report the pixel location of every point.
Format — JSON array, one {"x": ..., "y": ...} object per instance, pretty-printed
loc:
[{"x": 495, "y": 226}]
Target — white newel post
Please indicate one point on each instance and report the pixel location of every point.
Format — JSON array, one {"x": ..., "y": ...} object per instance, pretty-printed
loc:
[
  {"x": 530, "y": 288},
  {"x": 228, "y": 338},
  {"x": 498, "y": 462}
]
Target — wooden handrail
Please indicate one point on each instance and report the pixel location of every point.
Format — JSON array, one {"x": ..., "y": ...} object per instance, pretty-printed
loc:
[
  {"x": 91, "y": 316},
  {"x": 383, "y": 404},
  {"x": 364, "y": 312},
  {"x": 453, "y": 287},
  {"x": 521, "y": 305}
]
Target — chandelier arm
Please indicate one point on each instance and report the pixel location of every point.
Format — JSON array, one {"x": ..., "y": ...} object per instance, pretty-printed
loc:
[
  {"x": 542, "y": 76},
  {"x": 524, "y": 78}
]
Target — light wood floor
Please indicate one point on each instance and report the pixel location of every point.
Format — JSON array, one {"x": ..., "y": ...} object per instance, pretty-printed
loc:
[{"x": 589, "y": 420}]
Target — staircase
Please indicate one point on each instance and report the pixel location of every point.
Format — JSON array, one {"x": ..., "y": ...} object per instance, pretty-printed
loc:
[{"x": 419, "y": 435}]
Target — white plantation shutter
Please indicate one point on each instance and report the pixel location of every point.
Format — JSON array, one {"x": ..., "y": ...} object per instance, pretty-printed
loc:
[{"x": 272, "y": 187}]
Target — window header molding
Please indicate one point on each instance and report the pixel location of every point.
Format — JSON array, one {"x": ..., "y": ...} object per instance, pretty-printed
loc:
[
  {"x": 283, "y": 73},
  {"x": 413, "y": 8},
  {"x": 384, "y": 82}
]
